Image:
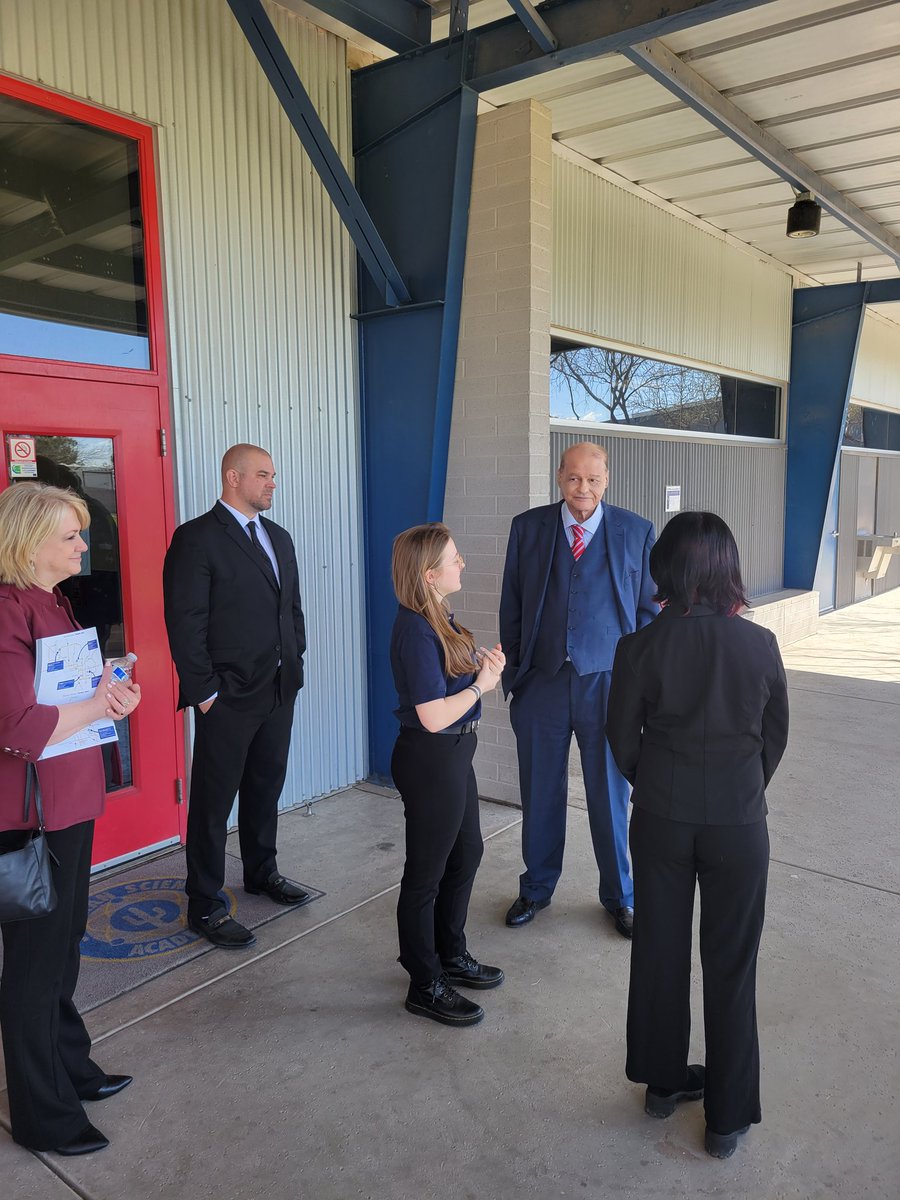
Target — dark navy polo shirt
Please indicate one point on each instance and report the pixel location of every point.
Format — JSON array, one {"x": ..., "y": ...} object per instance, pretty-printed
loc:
[{"x": 417, "y": 661}]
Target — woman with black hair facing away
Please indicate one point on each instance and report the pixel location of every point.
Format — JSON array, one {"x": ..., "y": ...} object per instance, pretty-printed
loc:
[
  {"x": 698, "y": 722},
  {"x": 440, "y": 682}
]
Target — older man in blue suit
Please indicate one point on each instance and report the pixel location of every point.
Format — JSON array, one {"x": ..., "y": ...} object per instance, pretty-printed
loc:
[{"x": 577, "y": 578}]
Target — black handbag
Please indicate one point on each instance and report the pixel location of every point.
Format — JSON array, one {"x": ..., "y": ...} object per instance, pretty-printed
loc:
[{"x": 26, "y": 880}]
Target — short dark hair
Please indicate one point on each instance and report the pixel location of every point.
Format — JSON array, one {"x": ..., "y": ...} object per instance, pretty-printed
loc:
[{"x": 696, "y": 561}]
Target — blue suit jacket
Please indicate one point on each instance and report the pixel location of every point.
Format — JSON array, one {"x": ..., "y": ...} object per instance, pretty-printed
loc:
[{"x": 529, "y": 557}]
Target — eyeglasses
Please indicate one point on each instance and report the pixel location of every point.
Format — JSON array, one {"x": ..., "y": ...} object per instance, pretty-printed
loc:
[{"x": 456, "y": 561}]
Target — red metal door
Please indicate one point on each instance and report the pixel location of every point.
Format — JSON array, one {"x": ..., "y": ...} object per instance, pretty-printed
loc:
[{"x": 83, "y": 370}]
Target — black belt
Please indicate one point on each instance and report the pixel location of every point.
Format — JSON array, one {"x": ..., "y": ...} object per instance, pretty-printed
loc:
[{"x": 466, "y": 727}]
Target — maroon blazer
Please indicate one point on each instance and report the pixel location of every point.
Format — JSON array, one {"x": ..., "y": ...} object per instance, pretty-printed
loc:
[{"x": 73, "y": 785}]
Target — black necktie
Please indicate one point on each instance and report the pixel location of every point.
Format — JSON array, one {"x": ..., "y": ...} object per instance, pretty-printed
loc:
[{"x": 264, "y": 561}]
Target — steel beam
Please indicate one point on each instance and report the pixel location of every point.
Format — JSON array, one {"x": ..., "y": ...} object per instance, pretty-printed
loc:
[
  {"x": 683, "y": 81},
  {"x": 68, "y": 225},
  {"x": 400, "y": 25},
  {"x": 280, "y": 71},
  {"x": 414, "y": 141},
  {"x": 537, "y": 27},
  {"x": 504, "y": 53}
]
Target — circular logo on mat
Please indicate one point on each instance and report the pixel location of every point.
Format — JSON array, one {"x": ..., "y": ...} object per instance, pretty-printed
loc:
[{"x": 142, "y": 919}]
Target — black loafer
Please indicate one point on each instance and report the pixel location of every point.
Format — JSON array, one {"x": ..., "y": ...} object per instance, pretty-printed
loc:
[
  {"x": 223, "y": 932},
  {"x": 723, "y": 1145},
  {"x": 440, "y": 1002},
  {"x": 86, "y": 1142},
  {"x": 111, "y": 1086},
  {"x": 279, "y": 889},
  {"x": 464, "y": 971},
  {"x": 660, "y": 1102},
  {"x": 522, "y": 911},
  {"x": 624, "y": 920}
]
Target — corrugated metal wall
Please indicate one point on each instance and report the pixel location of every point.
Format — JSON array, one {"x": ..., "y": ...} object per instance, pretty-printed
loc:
[
  {"x": 626, "y": 271},
  {"x": 741, "y": 481},
  {"x": 869, "y": 502},
  {"x": 876, "y": 379},
  {"x": 260, "y": 283}
]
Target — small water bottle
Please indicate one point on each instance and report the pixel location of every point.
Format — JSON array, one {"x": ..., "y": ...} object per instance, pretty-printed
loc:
[{"x": 121, "y": 667}]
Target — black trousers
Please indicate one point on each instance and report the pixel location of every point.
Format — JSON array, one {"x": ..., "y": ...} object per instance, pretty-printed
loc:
[
  {"x": 235, "y": 754},
  {"x": 45, "y": 1044},
  {"x": 731, "y": 863},
  {"x": 433, "y": 773}
]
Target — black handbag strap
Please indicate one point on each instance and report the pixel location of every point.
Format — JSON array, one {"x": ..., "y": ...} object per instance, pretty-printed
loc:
[{"x": 33, "y": 786}]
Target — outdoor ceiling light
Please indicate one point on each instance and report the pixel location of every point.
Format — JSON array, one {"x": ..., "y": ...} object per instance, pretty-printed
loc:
[{"x": 804, "y": 217}]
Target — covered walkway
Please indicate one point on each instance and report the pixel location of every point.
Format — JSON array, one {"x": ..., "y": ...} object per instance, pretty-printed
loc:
[{"x": 294, "y": 1071}]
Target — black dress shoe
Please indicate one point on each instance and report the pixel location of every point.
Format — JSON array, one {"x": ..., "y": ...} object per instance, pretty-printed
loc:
[
  {"x": 86, "y": 1142},
  {"x": 624, "y": 920},
  {"x": 464, "y": 971},
  {"x": 522, "y": 911},
  {"x": 440, "y": 1002},
  {"x": 110, "y": 1087},
  {"x": 723, "y": 1145},
  {"x": 660, "y": 1102},
  {"x": 223, "y": 932},
  {"x": 279, "y": 889}
]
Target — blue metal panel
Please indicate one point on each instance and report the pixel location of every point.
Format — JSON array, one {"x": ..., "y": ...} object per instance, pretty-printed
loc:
[
  {"x": 400, "y": 25},
  {"x": 826, "y": 327},
  {"x": 414, "y": 134},
  {"x": 535, "y": 24},
  {"x": 279, "y": 70}
]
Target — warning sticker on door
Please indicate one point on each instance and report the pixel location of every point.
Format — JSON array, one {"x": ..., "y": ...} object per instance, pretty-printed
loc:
[{"x": 22, "y": 457}]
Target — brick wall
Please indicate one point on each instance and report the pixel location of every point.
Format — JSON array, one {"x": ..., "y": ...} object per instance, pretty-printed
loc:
[{"x": 500, "y": 441}]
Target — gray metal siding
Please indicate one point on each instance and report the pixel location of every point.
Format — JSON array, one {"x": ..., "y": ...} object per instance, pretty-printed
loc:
[
  {"x": 742, "y": 482},
  {"x": 887, "y": 515},
  {"x": 260, "y": 283}
]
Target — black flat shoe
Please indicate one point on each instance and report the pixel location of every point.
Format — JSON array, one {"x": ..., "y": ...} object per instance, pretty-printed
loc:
[
  {"x": 466, "y": 972},
  {"x": 223, "y": 932},
  {"x": 279, "y": 889},
  {"x": 86, "y": 1142},
  {"x": 723, "y": 1145},
  {"x": 660, "y": 1102},
  {"x": 111, "y": 1086},
  {"x": 522, "y": 911},
  {"x": 440, "y": 1002}
]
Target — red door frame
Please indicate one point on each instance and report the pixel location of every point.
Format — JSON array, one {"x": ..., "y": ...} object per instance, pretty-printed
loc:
[{"x": 158, "y": 373}]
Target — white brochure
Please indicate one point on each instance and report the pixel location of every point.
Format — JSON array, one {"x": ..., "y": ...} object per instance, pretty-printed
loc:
[{"x": 68, "y": 667}]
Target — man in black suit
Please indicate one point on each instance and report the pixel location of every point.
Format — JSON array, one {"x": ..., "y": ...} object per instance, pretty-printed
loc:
[{"x": 236, "y": 632}]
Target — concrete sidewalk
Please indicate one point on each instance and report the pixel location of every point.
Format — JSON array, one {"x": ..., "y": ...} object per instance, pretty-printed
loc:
[{"x": 294, "y": 1070}]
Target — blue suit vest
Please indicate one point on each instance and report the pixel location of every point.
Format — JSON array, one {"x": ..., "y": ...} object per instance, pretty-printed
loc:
[{"x": 580, "y": 618}]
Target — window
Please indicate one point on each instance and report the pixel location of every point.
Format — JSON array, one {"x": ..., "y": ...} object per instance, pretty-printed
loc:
[
  {"x": 71, "y": 241},
  {"x": 872, "y": 428},
  {"x": 593, "y": 383}
]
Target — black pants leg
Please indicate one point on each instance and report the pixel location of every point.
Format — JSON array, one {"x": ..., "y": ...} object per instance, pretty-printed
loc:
[
  {"x": 45, "y": 1043},
  {"x": 234, "y": 752},
  {"x": 731, "y": 862},
  {"x": 659, "y": 994},
  {"x": 434, "y": 775}
]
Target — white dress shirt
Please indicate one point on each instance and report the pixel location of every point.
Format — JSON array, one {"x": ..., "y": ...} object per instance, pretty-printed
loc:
[{"x": 590, "y": 526}]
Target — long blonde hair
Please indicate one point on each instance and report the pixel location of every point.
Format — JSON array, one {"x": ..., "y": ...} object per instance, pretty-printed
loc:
[
  {"x": 30, "y": 512},
  {"x": 416, "y": 551}
]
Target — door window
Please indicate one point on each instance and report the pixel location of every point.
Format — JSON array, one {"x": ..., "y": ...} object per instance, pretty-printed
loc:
[{"x": 72, "y": 284}]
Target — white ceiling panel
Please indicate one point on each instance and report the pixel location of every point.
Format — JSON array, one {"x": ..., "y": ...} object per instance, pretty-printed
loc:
[
  {"x": 754, "y": 23},
  {"x": 843, "y": 85}
]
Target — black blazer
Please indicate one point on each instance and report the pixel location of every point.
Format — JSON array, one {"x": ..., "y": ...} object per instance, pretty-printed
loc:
[
  {"x": 698, "y": 716},
  {"x": 228, "y": 624}
]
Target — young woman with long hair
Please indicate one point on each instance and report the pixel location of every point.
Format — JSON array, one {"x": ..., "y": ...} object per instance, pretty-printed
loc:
[
  {"x": 440, "y": 679},
  {"x": 698, "y": 722}
]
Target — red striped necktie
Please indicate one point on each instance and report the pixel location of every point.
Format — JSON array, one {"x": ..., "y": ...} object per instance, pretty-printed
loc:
[{"x": 577, "y": 542}]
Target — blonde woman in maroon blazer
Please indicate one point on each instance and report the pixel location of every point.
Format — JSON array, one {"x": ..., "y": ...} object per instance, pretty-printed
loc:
[
  {"x": 698, "y": 722},
  {"x": 46, "y": 1047}
]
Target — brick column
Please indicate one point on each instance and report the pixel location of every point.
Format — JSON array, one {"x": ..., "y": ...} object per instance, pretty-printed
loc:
[{"x": 500, "y": 441}]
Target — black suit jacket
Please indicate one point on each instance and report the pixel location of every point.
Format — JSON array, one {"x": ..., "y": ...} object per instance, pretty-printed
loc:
[
  {"x": 698, "y": 716},
  {"x": 228, "y": 624}
]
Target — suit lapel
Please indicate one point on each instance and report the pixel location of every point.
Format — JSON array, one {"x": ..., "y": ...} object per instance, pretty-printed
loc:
[{"x": 241, "y": 539}]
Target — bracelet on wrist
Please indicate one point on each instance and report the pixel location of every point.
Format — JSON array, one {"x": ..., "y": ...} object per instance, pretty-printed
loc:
[{"x": 473, "y": 687}]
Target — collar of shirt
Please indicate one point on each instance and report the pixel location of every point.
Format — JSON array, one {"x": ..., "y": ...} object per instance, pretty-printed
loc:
[{"x": 590, "y": 526}]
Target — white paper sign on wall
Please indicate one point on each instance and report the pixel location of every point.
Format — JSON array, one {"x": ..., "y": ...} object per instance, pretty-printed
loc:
[
  {"x": 22, "y": 457},
  {"x": 673, "y": 497}
]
